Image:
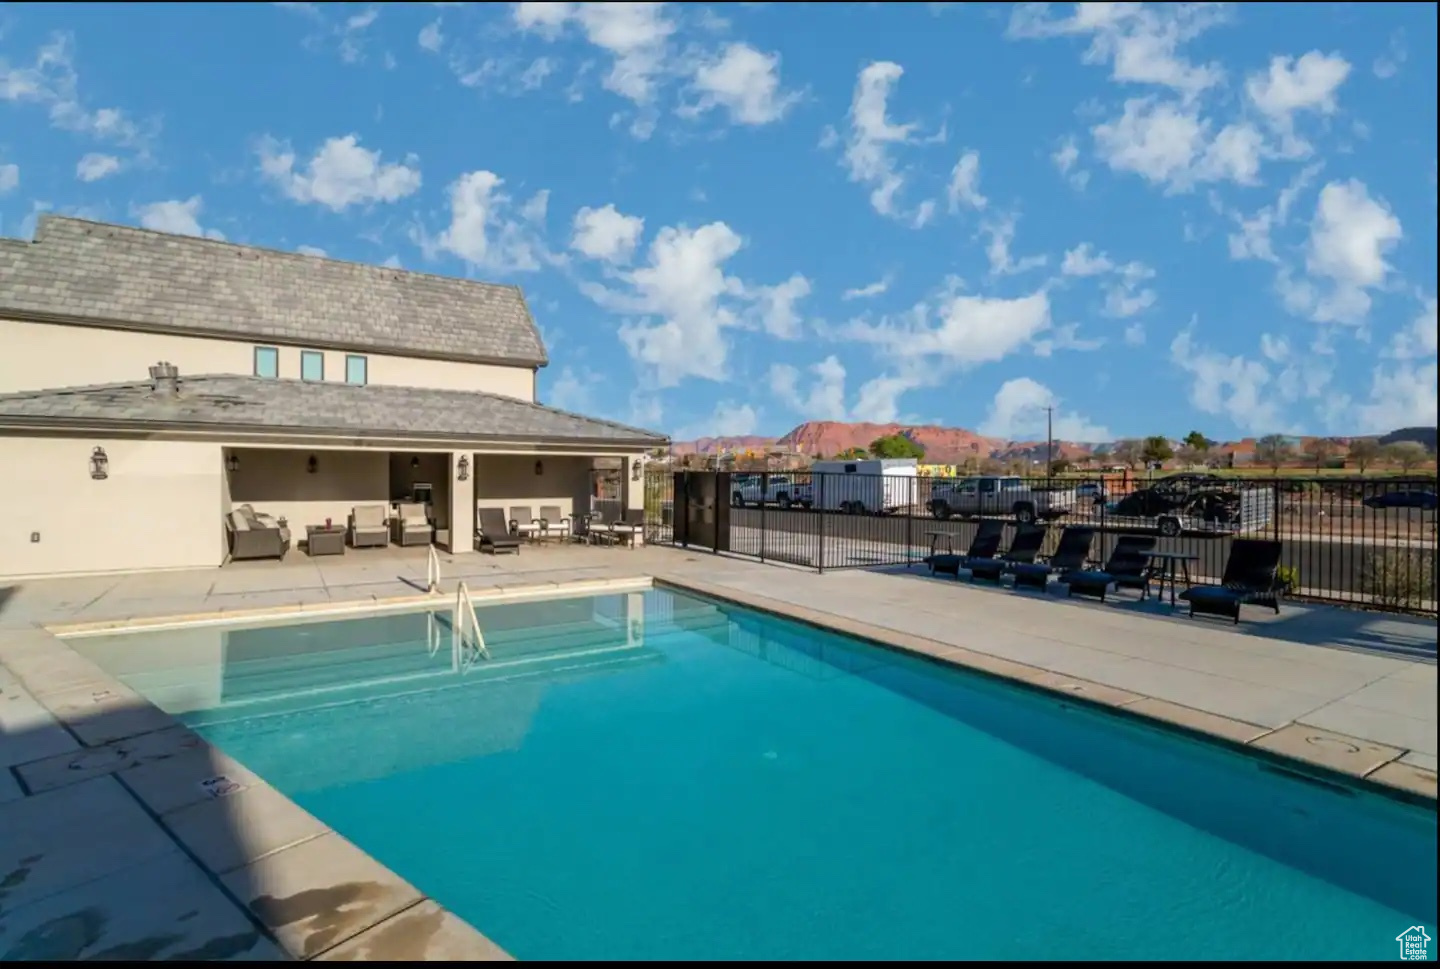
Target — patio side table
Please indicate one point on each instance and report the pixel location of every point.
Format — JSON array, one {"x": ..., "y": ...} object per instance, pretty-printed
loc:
[{"x": 324, "y": 540}]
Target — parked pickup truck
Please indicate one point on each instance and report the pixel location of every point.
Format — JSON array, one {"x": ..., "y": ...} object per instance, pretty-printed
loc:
[
  {"x": 777, "y": 489},
  {"x": 971, "y": 497}
]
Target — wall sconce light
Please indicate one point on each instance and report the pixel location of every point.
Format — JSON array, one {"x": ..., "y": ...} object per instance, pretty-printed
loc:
[
  {"x": 539, "y": 467},
  {"x": 636, "y": 469},
  {"x": 232, "y": 463},
  {"x": 464, "y": 467},
  {"x": 415, "y": 463},
  {"x": 312, "y": 465},
  {"x": 99, "y": 464}
]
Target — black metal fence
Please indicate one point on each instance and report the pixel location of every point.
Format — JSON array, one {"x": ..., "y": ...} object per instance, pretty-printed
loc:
[{"x": 1361, "y": 541}]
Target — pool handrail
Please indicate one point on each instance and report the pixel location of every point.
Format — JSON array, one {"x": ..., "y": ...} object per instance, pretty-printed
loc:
[
  {"x": 465, "y": 606},
  {"x": 432, "y": 571}
]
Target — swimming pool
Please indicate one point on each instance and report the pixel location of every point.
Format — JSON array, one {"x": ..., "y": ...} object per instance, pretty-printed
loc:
[{"x": 657, "y": 775}]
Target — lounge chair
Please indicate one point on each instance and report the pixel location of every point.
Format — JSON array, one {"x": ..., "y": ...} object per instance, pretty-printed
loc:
[
  {"x": 554, "y": 522},
  {"x": 1023, "y": 550},
  {"x": 1070, "y": 555},
  {"x": 494, "y": 533},
  {"x": 630, "y": 526},
  {"x": 1251, "y": 575},
  {"x": 252, "y": 536},
  {"x": 411, "y": 527},
  {"x": 368, "y": 527},
  {"x": 983, "y": 546},
  {"x": 523, "y": 522},
  {"x": 1128, "y": 567}
]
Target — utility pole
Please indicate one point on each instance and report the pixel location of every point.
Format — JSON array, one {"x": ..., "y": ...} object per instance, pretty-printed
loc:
[{"x": 1049, "y": 440}]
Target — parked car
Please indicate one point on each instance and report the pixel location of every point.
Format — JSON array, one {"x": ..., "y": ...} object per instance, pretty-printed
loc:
[
  {"x": 970, "y": 497},
  {"x": 1403, "y": 498},
  {"x": 1093, "y": 491},
  {"x": 775, "y": 489}
]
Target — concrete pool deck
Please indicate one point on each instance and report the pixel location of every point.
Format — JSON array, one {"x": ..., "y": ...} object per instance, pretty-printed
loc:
[{"x": 106, "y": 800}]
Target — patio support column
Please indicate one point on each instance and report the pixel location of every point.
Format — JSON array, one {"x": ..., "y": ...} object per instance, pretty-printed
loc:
[
  {"x": 634, "y": 490},
  {"x": 462, "y": 503}
]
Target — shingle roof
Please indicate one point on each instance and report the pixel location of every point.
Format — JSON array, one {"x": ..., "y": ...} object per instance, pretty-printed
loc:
[
  {"x": 91, "y": 272},
  {"x": 230, "y": 402}
]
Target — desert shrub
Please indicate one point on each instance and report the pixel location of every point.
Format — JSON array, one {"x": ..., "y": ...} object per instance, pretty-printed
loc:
[{"x": 1400, "y": 578}]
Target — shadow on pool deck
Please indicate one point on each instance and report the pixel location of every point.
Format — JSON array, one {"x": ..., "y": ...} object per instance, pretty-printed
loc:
[{"x": 127, "y": 836}]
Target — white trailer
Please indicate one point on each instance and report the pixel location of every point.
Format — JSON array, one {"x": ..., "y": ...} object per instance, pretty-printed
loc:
[{"x": 877, "y": 486}]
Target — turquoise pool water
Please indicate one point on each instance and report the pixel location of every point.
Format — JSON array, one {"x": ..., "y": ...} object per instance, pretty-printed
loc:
[{"x": 658, "y": 776}]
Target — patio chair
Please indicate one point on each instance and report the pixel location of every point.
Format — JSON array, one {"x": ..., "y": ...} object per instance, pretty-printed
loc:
[
  {"x": 1128, "y": 567},
  {"x": 630, "y": 526},
  {"x": 1251, "y": 575},
  {"x": 983, "y": 546},
  {"x": 252, "y": 536},
  {"x": 411, "y": 527},
  {"x": 368, "y": 527},
  {"x": 523, "y": 522},
  {"x": 1071, "y": 554},
  {"x": 1024, "y": 549},
  {"x": 554, "y": 522},
  {"x": 494, "y": 535}
]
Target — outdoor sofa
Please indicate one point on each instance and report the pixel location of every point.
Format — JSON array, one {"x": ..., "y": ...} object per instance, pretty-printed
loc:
[{"x": 250, "y": 535}]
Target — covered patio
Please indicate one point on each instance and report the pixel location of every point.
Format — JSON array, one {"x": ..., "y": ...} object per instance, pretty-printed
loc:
[{"x": 147, "y": 476}]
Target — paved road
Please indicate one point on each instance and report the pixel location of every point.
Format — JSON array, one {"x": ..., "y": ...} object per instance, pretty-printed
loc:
[{"x": 1332, "y": 567}]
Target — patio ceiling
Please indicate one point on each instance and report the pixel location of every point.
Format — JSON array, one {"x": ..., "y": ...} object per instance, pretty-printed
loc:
[{"x": 251, "y": 405}]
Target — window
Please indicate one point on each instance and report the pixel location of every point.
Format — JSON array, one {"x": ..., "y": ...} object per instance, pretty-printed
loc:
[
  {"x": 849, "y": 469},
  {"x": 355, "y": 370},
  {"x": 312, "y": 365},
  {"x": 267, "y": 362}
]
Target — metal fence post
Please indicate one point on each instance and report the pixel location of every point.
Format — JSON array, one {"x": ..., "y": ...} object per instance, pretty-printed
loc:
[
  {"x": 764, "y": 501},
  {"x": 910, "y": 522},
  {"x": 821, "y": 511}
]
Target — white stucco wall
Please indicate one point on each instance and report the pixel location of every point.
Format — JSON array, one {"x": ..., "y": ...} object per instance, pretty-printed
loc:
[
  {"x": 40, "y": 356},
  {"x": 160, "y": 507}
]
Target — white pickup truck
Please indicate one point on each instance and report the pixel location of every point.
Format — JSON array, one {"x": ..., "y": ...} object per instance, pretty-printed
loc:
[
  {"x": 973, "y": 497},
  {"x": 781, "y": 490}
]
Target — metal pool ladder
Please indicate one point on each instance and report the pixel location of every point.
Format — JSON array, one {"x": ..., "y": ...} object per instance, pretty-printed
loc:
[
  {"x": 465, "y": 608},
  {"x": 432, "y": 571}
]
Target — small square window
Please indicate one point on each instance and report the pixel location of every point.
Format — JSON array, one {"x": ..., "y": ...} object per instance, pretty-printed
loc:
[
  {"x": 267, "y": 362},
  {"x": 356, "y": 370},
  {"x": 312, "y": 365}
]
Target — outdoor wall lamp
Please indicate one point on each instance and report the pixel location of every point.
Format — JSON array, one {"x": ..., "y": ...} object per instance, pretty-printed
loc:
[
  {"x": 232, "y": 463},
  {"x": 539, "y": 468},
  {"x": 635, "y": 470},
  {"x": 312, "y": 465},
  {"x": 464, "y": 467},
  {"x": 415, "y": 463},
  {"x": 99, "y": 464}
]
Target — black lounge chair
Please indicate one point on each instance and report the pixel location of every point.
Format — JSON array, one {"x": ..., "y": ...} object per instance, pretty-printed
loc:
[
  {"x": 1071, "y": 554},
  {"x": 1128, "y": 567},
  {"x": 1024, "y": 549},
  {"x": 494, "y": 534},
  {"x": 1251, "y": 575},
  {"x": 983, "y": 546}
]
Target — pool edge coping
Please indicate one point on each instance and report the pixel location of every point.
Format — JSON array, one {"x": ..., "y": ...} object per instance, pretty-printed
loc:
[{"x": 1238, "y": 736}]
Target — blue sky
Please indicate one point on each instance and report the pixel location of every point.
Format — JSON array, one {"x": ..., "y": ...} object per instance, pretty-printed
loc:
[{"x": 731, "y": 219}]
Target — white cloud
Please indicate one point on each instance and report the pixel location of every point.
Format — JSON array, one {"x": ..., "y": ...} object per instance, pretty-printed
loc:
[
  {"x": 778, "y": 314},
  {"x": 876, "y": 288},
  {"x": 1018, "y": 412},
  {"x": 606, "y": 234},
  {"x": 635, "y": 35},
  {"x": 9, "y": 177},
  {"x": 743, "y": 81},
  {"x": 825, "y": 398},
  {"x": 1081, "y": 261},
  {"x": 967, "y": 330},
  {"x": 341, "y": 174},
  {"x": 1253, "y": 239},
  {"x": 481, "y": 231},
  {"x": 868, "y": 156},
  {"x": 965, "y": 183},
  {"x": 177, "y": 216},
  {"x": 1168, "y": 143},
  {"x": 1141, "y": 43},
  {"x": 1002, "y": 232},
  {"x": 53, "y": 83},
  {"x": 430, "y": 37},
  {"x": 1388, "y": 64},
  {"x": 1064, "y": 159},
  {"x": 1254, "y": 394},
  {"x": 1294, "y": 86},
  {"x": 1403, "y": 395},
  {"x": 728, "y": 419},
  {"x": 1417, "y": 339},
  {"x": 1349, "y": 238},
  {"x": 315, "y": 251},
  {"x": 1135, "y": 335},
  {"x": 95, "y": 166},
  {"x": 571, "y": 391}
]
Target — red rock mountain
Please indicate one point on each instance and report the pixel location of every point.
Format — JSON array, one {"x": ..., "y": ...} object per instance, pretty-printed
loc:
[{"x": 943, "y": 445}]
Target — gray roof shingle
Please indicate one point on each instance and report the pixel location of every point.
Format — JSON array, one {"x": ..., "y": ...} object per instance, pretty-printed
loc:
[
  {"x": 91, "y": 272},
  {"x": 231, "y": 402}
]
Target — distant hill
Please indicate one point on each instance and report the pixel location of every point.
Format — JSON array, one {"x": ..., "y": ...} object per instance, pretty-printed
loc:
[{"x": 953, "y": 445}]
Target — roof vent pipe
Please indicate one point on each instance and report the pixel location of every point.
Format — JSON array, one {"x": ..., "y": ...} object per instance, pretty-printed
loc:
[{"x": 165, "y": 379}]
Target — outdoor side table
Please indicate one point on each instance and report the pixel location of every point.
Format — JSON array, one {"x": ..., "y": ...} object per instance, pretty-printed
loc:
[
  {"x": 324, "y": 540},
  {"x": 1163, "y": 569},
  {"x": 935, "y": 541}
]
